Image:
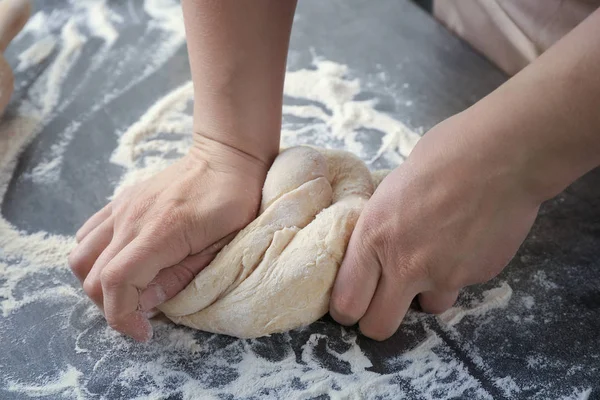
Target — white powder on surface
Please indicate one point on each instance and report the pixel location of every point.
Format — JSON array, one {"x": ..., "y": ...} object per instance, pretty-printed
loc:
[
  {"x": 100, "y": 19},
  {"x": 496, "y": 298},
  {"x": 327, "y": 360},
  {"x": 508, "y": 386},
  {"x": 36, "y": 53},
  {"x": 66, "y": 385},
  {"x": 541, "y": 278},
  {"x": 330, "y": 88},
  {"x": 579, "y": 394},
  {"x": 166, "y": 15},
  {"x": 528, "y": 302},
  {"x": 47, "y": 90},
  {"x": 48, "y": 171}
]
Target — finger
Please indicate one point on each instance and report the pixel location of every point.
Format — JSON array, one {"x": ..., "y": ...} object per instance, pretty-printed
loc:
[
  {"x": 92, "y": 284},
  {"x": 83, "y": 257},
  {"x": 355, "y": 282},
  {"x": 436, "y": 302},
  {"x": 130, "y": 271},
  {"x": 389, "y": 306},
  {"x": 118, "y": 295},
  {"x": 94, "y": 221},
  {"x": 173, "y": 280}
]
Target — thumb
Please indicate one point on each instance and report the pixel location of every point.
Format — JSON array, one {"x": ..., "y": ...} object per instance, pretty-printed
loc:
[{"x": 170, "y": 281}]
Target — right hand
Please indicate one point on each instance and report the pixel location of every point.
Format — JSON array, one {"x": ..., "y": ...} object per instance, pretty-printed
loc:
[
  {"x": 452, "y": 215},
  {"x": 156, "y": 236}
]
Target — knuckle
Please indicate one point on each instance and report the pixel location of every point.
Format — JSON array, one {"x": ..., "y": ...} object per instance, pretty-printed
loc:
[
  {"x": 132, "y": 212},
  {"x": 408, "y": 268},
  {"x": 77, "y": 262},
  {"x": 79, "y": 235},
  {"x": 373, "y": 229},
  {"x": 182, "y": 274},
  {"x": 110, "y": 278},
  {"x": 344, "y": 309},
  {"x": 131, "y": 215},
  {"x": 93, "y": 289},
  {"x": 171, "y": 214}
]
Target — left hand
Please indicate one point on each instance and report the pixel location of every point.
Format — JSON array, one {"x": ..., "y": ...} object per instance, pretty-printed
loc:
[{"x": 149, "y": 243}]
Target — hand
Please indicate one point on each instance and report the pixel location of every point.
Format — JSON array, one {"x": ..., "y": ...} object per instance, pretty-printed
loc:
[
  {"x": 149, "y": 243},
  {"x": 452, "y": 215}
]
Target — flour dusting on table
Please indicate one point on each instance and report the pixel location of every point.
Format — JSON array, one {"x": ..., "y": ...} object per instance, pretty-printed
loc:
[{"x": 324, "y": 359}]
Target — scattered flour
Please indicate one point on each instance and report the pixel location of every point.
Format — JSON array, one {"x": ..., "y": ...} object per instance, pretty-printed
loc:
[
  {"x": 579, "y": 394},
  {"x": 49, "y": 90},
  {"x": 333, "y": 96},
  {"x": 100, "y": 19},
  {"x": 541, "y": 278},
  {"x": 36, "y": 53},
  {"x": 66, "y": 385},
  {"x": 327, "y": 360},
  {"x": 492, "y": 299},
  {"x": 528, "y": 302},
  {"x": 508, "y": 386},
  {"x": 166, "y": 15}
]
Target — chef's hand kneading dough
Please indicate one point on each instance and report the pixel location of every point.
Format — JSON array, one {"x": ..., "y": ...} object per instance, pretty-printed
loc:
[{"x": 278, "y": 272}]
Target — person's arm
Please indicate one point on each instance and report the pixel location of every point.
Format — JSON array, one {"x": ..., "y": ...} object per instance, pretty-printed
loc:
[
  {"x": 237, "y": 52},
  {"x": 547, "y": 117},
  {"x": 457, "y": 210},
  {"x": 149, "y": 243}
]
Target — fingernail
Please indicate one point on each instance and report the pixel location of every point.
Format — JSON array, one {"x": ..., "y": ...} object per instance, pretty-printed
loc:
[{"x": 151, "y": 297}]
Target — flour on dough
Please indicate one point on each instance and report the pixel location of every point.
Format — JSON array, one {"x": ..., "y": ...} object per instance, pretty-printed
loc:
[{"x": 277, "y": 273}]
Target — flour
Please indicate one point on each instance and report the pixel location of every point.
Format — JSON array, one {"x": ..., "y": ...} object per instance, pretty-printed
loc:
[
  {"x": 324, "y": 360},
  {"x": 48, "y": 92},
  {"x": 66, "y": 384},
  {"x": 100, "y": 19},
  {"x": 36, "y": 53},
  {"x": 166, "y": 15},
  {"x": 333, "y": 94},
  {"x": 541, "y": 278},
  {"x": 492, "y": 299}
]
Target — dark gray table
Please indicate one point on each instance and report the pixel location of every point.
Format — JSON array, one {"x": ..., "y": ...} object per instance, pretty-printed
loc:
[{"x": 544, "y": 344}]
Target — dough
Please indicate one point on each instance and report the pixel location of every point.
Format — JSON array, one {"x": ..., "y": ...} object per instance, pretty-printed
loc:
[{"x": 277, "y": 273}]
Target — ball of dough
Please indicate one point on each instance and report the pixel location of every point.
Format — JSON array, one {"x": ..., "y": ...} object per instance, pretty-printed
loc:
[{"x": 277, "y": 273}]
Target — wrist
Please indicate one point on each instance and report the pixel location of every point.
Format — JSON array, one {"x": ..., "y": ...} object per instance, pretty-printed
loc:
[
  {"x": 246, "y": 130},
  {"x": 222, "y": 157},
  {"x": 486, "y": 157}
]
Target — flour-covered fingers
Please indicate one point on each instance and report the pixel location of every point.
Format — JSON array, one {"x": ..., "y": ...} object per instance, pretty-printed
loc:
[
  {"x": 436, "y": 302},
  {"x": 85, "y": 254},
  {"x": 93, "y": 222},
  {"x": 356, "y": 281}
]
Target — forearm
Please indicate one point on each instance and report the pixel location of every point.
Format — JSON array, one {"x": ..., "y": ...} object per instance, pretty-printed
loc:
[
  {"x": 546, "y": 119},
  {"x": 237, "y": 53}
]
